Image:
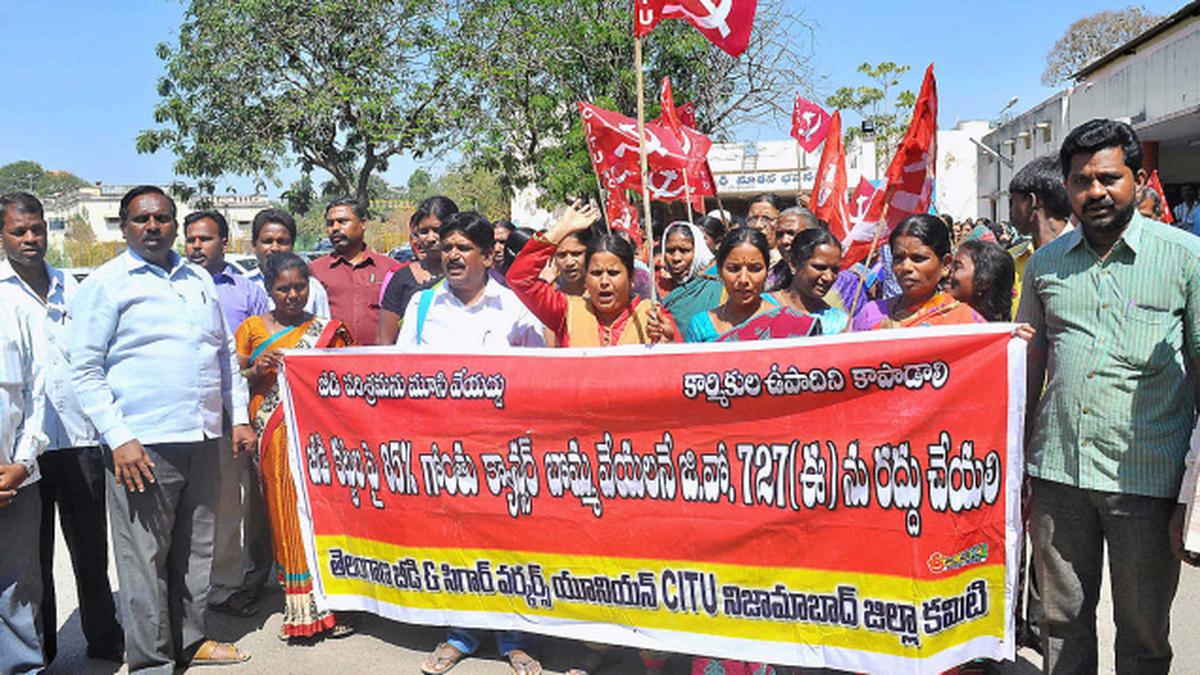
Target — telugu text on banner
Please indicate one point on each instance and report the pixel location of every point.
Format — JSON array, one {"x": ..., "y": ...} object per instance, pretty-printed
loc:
[{"x": 847, "y": 501}]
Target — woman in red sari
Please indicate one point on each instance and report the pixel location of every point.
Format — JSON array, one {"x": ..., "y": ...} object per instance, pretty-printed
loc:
[{"x": 259, "y": 340}]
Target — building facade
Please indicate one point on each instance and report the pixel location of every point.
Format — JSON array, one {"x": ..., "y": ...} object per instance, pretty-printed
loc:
[
  {"x": 1152, "y": 82},
  {"x": 99, "y": 206}
]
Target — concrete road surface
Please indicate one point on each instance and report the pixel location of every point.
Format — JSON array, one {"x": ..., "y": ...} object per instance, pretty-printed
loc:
[{"x": 382, "y": 646}]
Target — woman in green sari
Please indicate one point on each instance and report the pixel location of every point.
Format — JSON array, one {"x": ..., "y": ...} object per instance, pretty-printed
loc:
[{"x": 687, "y": 256}]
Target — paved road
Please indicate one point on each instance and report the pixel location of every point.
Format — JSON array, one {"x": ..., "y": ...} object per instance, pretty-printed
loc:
[{"x": 384, "y": 646}]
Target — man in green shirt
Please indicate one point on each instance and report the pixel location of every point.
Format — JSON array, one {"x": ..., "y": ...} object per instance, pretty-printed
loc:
[{"x": 1116, "y": 307}]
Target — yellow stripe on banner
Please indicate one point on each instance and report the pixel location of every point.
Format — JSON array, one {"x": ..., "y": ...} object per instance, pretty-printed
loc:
[{"x": 901, "y": 590}]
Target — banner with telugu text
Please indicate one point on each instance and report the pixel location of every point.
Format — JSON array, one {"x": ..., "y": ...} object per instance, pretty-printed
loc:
[{"x": 848, "y": 501}]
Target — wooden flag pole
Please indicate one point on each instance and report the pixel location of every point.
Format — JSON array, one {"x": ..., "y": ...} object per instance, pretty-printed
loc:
[
  {"x": 721, "y": 208},
  {"x": 862, "y": 281},
  {"x": 687, "y": 197},
  {"x": 641, "y": 105},
  {"x": 799, "y": 169}
]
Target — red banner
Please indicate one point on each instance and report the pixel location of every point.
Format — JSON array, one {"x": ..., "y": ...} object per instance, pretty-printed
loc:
[
  {"x": 909, "y": 177},
  {"x": 621, "y": 215},
  {"x": 726, "y": 23},
  {"x": 848, "y": 501},
  {"x": 810, "y": 123},
  {"x": 828, "y": 200}
]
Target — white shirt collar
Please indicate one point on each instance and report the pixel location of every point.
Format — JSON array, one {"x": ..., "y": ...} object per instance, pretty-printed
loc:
[
  {"x": 135, "y": 262},
  {"x": 9, "y": 275},
  {"x": 492, "y": 293}
]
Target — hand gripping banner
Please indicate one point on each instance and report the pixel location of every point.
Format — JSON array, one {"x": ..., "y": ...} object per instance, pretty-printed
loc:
[{"x": 848, "y": 501}]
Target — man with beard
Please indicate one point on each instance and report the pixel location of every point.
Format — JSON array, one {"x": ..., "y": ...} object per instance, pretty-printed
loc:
[
  {"x": 72, "y": 469},
  {"x": 239, "y": 572},
  {"x": 354, "y": 273},
  {"x": 1038, "y": 208},
  {"x": 1115, "y": 305}
]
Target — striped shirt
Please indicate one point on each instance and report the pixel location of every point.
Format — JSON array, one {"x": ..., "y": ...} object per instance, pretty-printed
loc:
[{"x": 1117, "y": 411}]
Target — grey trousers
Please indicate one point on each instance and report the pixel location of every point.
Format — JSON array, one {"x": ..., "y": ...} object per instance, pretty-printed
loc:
[
  {"x": 1069, "y": 528},
  {"x": 242, "y": 556},
  {"x": 163, "y": 542},
  {"x": 20, "y": 584}
]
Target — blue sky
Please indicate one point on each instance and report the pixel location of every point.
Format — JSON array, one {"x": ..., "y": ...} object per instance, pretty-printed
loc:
[{"x": 79, "y": 76}]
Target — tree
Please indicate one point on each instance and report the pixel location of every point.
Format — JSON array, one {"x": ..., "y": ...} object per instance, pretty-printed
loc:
[
  {"x": 531, "y": 60},
  {"x": 419, "y": 186},
  {"x": 475, "y": 189},
  {"x": 340, "y": 85},
  {"x": 876, "y": 105},
  {"x": 29, "y": 176},
  {"x": 300, "y": 196},
  {"x": 1090, "y": 38}
]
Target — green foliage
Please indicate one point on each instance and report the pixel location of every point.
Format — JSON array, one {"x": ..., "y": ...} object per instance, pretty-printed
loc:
[
  {"x": 299, "y": 196},
  {"x": 475, "y": 189},
  {"x": 419, "y": 186},
  {"x": 341, "y": 85},
  {"x": 880, "y": 104},
  {"x": 29, "y": 176},
  {"x": 532, "y": 60},
  {"x": 1090, "y": 38}
]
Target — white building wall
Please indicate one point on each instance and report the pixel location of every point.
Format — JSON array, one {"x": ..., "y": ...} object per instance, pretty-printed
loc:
[{"x": 958, "y": 169}]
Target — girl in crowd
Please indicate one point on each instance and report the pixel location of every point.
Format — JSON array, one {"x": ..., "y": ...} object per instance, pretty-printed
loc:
[
  {"x": 714, "y": 232},
  {"x": 609, "y": 313},
  {"x": 982, "y": 276},
  {"x": 816, "y": 257},
  {"x": 569, "y": 264},
  {"x": 920, "y": 248},
  {"x": 686, "y": 257},
  {"x": 742, "y": 262},
  {"x": 259, "y": 340},
  {"x": 427, "y": 271}
]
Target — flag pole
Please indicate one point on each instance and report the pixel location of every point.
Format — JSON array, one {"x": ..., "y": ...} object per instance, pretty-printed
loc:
[
  {"x": 799, "y": 169},
  {"x": 641, "y": 106},
  {"x": 687, "y": 197},
  {"x": 721, "y": 207},
  {"x": 862, "y": 281}
]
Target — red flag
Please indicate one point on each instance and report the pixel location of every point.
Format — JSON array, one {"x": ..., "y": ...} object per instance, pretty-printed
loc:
[
  {"x": 909, "y": 177},
  {"x": 1156, "y": 185},
  {"x": 726, "y": 23},
  {"x": 810, "y": 123},
  {"x": 612, "y": 140},
  {"x": 668, "y": 185},
  {"x": 828, "y": 199},
  {"x": 621, "y": 215},
  {"x": 861, "y": 199}
]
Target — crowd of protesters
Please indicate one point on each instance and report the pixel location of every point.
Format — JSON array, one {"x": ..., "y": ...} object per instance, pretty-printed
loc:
[{"x": 149, "y": 390}]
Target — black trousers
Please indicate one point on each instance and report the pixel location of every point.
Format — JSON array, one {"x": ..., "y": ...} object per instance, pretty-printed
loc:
[{"x": 73, "y": 481}]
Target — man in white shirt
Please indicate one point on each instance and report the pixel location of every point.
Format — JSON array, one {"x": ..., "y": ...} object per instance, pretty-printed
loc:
[
  {"x": 274, "y": 231},
  {"x": 72, "y": 471},
  {"x": 21, "y": 441},
  {"x": 155, "y": 370},
  {"x": 469, "y": 310}
]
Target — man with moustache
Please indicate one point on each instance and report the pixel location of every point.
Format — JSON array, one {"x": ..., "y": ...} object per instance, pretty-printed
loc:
[
  {"x": 1115, "y": 305},
  {"x": 72, "y": 470},
  {"x": 240, "y": 571},
  {"x": 155, "y": 370},
  {"x": 353, "y": 273}
]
